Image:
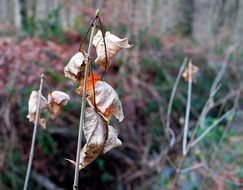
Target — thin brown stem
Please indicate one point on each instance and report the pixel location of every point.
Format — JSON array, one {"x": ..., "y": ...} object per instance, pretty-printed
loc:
[
  {"x": 85, "y": 36},
  {"x": 106, "y": 57},
  {"x": 93, "y": 85},
  {"x": 178, "y": 172},
  {"x": 83, "y": 104},
  {"x": 32, "y": 149},
  {"x": 48, "y": 84}
]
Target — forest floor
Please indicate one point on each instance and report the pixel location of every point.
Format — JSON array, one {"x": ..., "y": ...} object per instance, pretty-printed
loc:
[{"x": 144, "y": 78}]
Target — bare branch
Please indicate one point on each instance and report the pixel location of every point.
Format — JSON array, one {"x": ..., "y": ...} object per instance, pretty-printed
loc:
[{"x": 188, "y": 107}]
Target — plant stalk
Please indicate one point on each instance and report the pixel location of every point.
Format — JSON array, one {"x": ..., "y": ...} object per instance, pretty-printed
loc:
[
  {"x": 188, "y": 108},
  {"x": 83, "y": 105},
  {"x": 32, "y": 149},
  {"x": 172, "y": 96}
]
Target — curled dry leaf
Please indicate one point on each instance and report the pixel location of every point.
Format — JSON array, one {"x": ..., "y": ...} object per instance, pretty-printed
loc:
[
  {"x": 194, "y": 70},
  {"x": 99, "y": 136},
  {"x": 55, "y": 100},
  {"x": 112, "y": 140},
  {"x": 91, "y": 81},
  {"x": 32, "y": 107},
  {"x": 113, "y": 45},
  {"x": 76, "y": 66},
  {"x": 106, "y": 101}
]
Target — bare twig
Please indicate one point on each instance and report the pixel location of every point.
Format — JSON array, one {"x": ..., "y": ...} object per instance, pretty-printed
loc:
[
  {"x": 198, "y": 139},
  {"x": 215, "y": 86},
  {"x": 188, "y": 107},
  {"x": 106, "y": 56},
  {"x": 178, "y": 172},
  {"x": 219, "y": 76},
  {"x": 34, "y": 135},
  {"x": 214, "y": 89},
  {"x": 194, "y": 167},
  {"x": 172, "y": 96},
  {"x": 45, "y": 182},
  {"x": 226, "y": 129},
  {"x": 83, "y": 104}
]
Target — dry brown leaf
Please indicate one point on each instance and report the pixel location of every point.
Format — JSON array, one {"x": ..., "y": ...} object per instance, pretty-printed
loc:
[
  {"x": 55, "y": 100},
  {"x": 95, "y": 132},
  {"x": 106, "y": 101},
  {"x": 112, "y": 140},
  {"x": 76, "y": 66},
  {"x": 100, "y": 138},
  {"x": 32, "y": 108},
  {"x": 194, "y": 70},
  {"x": 91, "y": 81},
  {"x": 113, "y": 45}
]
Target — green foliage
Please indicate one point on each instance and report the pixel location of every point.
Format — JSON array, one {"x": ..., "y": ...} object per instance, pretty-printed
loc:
[
  {"x": 12, "y": 176},
  {"x": 214, "y": 135},
  {"x": 29, "y": 26},
  {"x": 230, "y": 185},
  {"x": 79, "y": 25},
  {"x": 23, "y": 102},
  {"x": 105, "y": 176},
  {"x": 53, "y": 74},
  {"x": 51, "y": 28},
  {"x": 46, "y": 143},
  {"x": 155, "y": 43}
]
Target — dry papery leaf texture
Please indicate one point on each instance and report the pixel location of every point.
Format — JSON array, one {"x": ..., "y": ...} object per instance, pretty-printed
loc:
[
  {"x": 113, "y": 45},
  {"x": 53, "y": 105},
  {"x": 106, "y": 99},
  {"x": 100, "y": 137},
  {"x": 194, "y": 70},
  {"x": 55, "y": 100},
  {"x": 32, "y": 107},
  {"x": 76, "y": 66},
  {"x": 91, "y": 81}
]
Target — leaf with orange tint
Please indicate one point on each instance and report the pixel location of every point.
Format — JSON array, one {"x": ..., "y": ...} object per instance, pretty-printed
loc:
[
  {"x": 100, "y": 138},
  {"x": 106, "y": 101},
  {"x": 91, "y": 81},
  {"x": 186, "y": 73},
  {"x": 95, "y": 131},
  {"x": 113, "y": 45}
]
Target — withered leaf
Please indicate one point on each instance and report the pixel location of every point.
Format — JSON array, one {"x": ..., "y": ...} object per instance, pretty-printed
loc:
[
  {"x": 95, "y": 132},
  {"x": 76, "y": 66},
  {"x": 99, "y": 136},
  {"x": 32, "y": 107},
  {"x": 55, "y": 100},
  {"x": 113, "y": 45},
  {"x": 91, "y": 81},
  {"x": 194, "y": 70},
  {"x": 106, "y": 101},
  {"x": 112, "y": 140}
]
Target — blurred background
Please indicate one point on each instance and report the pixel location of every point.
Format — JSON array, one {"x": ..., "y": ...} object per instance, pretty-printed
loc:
[{"x": 40, "y": 37}]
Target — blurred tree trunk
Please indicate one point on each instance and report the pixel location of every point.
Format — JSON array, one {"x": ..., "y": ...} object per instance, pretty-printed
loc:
[
  {"x": 238, "y": 30},
  {"x": 17, "y": 9},
  {"x": 184, "y": 24},
  {"x": 205, "y": 20},
  {"x": 23, "y": 12}
]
